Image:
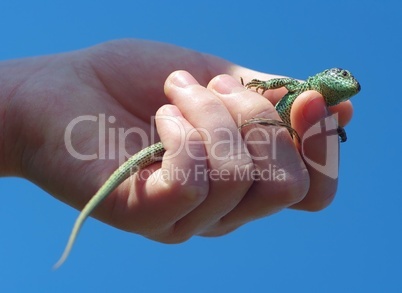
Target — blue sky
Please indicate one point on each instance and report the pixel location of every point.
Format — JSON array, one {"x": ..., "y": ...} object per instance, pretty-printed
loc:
[{"x": 352, "y": 246}]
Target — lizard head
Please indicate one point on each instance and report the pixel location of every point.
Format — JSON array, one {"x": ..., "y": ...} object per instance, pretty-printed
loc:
[{"x": 337, "y": 85}]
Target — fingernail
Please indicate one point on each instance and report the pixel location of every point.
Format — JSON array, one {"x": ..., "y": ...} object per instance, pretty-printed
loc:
[
  {"x": 170, "y": 110},
  {"x": 225, "y": 84},
  {"x": 182, "y": 79},
  {"x": 315, "y": 110}
]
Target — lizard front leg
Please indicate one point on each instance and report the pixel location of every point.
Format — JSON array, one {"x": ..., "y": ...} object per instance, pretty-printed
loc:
[{"x": 275, "y": 83}]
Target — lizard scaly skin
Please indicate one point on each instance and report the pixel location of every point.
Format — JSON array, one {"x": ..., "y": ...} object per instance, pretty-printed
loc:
[{"x": 336, "y": 85}]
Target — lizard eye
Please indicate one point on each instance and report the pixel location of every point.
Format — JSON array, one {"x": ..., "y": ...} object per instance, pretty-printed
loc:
[{"x": 345, "y": 73}]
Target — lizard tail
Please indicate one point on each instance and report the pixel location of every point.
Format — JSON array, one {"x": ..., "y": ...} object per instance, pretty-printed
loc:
[
  {"x": 73, "y": 236},
  {"x": 102, "y": 193},
  {"x": 143, "y": 158}
]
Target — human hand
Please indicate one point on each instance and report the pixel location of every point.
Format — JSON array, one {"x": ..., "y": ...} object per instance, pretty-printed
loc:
[{"x": 124, "y": 79}]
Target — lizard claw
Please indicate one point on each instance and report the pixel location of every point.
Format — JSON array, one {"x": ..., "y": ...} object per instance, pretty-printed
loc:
[{"x": 258, "y": 84}]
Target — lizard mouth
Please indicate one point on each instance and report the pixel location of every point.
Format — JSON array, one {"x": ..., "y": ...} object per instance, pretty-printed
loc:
[{"x": 358, "y": 86}]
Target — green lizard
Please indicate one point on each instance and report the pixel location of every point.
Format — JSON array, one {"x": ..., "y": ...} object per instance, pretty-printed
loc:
[{"x": 336, "y": 85}]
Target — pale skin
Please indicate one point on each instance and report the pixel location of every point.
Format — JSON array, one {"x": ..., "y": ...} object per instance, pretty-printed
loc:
[{"x": 132, "y": 80}]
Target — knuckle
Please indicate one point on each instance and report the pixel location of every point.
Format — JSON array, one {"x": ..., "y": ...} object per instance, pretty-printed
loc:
[
  {"x": 319, "y": 204},
  {"x": 174, "y": 237},
  {"x": 239, "y": 164},
  {"x": 295, "y": 188},
  {"x": 219, "y": 230}
]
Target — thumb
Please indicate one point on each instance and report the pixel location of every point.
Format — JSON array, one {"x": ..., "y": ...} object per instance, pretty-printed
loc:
[{"x": 319, "y": 148}]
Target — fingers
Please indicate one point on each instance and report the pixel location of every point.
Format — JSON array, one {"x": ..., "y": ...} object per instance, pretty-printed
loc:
[
  {"x": 210, "y": 166},
  {"x": 319, "y": 148},
  {"x": 226, "y": 152},
  {"x": 164, "y": 192},
  {"x": 280, "y": 177},
  {"x": 172, "y": 191}
]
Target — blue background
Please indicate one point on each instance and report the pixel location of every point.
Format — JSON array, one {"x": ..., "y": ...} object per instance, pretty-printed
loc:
[{"x": 352, "y": 246}]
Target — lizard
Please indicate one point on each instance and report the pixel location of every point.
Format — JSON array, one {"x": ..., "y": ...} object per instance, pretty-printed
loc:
[{"x": 336, "y": 85}]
